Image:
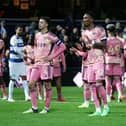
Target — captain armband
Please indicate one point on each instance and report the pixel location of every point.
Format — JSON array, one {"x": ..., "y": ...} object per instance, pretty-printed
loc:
[{"x": 58, "y": 42}]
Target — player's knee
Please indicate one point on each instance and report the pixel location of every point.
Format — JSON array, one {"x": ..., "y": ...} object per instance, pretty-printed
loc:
[{"x": 32, "y": 85}]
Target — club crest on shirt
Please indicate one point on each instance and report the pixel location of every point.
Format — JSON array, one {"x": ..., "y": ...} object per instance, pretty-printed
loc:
[{"x": 20, "y": 44}]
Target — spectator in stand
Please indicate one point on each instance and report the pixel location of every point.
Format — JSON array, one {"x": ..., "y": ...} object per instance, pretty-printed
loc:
[
  {"x": 107, "y": 21},
  {"x": 33, "y": 28},
  {"x": 62, "y": 34},
  {"x": 68, "y": 21},
  {"x": 26, "y": 34},
  {"x": 117, "y": 25},
  {"x": 3, "y": 32},
  {"x": 58, "y": 30},
  {"x": 75, "y": 35}
]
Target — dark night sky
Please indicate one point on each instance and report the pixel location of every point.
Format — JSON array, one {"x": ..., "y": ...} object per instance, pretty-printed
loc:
[{"x": 56, "y": 9}]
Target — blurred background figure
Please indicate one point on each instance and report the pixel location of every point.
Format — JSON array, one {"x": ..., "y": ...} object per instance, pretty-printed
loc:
[{"x": 3, "y": 32}]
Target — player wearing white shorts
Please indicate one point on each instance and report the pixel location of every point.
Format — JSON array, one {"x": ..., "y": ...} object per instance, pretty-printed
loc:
[{"x": 17, "y": 68}]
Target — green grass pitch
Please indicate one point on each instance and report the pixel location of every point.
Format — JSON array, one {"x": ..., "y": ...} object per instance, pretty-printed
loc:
[{"x": 61, "y": 113}]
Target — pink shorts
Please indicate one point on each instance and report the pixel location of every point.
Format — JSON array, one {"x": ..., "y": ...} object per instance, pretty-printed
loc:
[
  {"x": 113, "y": 69},
  {"x": 56, "y": 71},
  {"x": 94, "y": 72},
  {"x": 43, "y": 72}
]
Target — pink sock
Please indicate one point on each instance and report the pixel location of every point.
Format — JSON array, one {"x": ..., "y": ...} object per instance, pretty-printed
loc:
[
  {"x": 48, "y": 97},
  {"x": 95, "y": 96},
  {"x": 3, "y": 87},
  {"x": 108, "y": 87},
  {"x": 33, "y": 98},
  {"x": 102, "y": 92},
  {"x": 86, "y": 93}
]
